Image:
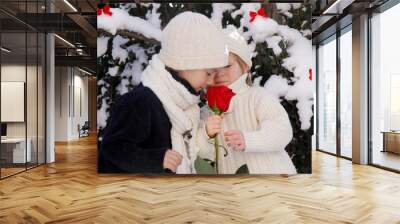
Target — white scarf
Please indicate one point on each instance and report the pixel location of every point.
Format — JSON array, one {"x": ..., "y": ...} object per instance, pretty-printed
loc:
[{"x": 182, "y": 109}]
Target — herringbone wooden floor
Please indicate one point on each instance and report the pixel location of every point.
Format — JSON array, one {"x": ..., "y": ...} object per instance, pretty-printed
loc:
[{"x": 71, "y": 191}]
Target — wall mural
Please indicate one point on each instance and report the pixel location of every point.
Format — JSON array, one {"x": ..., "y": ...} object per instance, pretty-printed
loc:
[{"x": 204, "y": 88}]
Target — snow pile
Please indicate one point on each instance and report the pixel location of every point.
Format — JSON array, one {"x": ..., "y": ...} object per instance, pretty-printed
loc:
[
  {"x": 102, "y": 112},
  {"x": 285, "y": 7},
  {"x": 113, "y": 70},
  {"x": 122, "y": 88},
  {"x": 102, "y": 115},
  {"x": 102, "y": 43},
  {"x": 261, "y": 28},
  {"x": 153, "y": 17},
  {"x": 218, "y": 11},
  {"x": 133, "y": 71},
  {"x": 121, "y": 20},
  {"x": 118, "y": 53},
  {"x": 138, "y": 65},
  {"x": 276, "y": 85},
  {"x": 273, "y": 43}
]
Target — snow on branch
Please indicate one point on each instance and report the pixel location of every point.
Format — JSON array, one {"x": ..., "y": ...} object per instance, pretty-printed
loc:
[{"x": 122, "y": 22}]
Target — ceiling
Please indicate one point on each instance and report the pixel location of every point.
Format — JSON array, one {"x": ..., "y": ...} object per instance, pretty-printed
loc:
[
  {"x": 338, "y": 14},
  {"x": 72, "y": 20}
]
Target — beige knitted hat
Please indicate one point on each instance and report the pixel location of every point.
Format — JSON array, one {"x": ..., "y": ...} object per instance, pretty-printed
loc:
[
  {"x": 191, "y": 41},
  {"x": 237, "y": 44}
]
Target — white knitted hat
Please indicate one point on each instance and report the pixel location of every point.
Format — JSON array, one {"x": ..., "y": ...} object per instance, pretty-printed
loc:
[
  {"x": 237, "y": 44},
  {"x": 191, "y": 41}
]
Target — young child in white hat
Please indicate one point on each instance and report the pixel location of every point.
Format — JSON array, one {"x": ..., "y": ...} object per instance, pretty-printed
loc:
[{"x": 256, "y": 128}]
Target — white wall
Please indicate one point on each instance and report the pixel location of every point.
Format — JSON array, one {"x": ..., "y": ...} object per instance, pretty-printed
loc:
[
  {"x": 70, "y": 83},
  {"x": 79, "y": 111},
  {"x": 33, "y": 126},
  {"x": 61, "y": 103},
  {"x": 12, "y": 73}
]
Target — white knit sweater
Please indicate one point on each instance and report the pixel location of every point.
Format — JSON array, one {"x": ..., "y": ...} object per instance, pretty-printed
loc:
[{"x": 266, "y": 129}]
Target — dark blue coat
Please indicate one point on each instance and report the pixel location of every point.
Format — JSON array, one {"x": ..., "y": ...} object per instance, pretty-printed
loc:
[{"x": 137, "y": 135}]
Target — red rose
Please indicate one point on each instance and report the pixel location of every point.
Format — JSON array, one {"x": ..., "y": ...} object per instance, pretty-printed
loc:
[{"x": 219, "y": 98}]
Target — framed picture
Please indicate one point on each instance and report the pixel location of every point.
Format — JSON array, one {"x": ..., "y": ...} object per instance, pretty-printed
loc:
[{"x": 217, "y": 88}]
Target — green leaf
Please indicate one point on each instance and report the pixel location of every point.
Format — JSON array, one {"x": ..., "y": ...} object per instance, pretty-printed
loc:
[
  {"x": 204, "y": 166},
  {"x": 243, "y": 170}
]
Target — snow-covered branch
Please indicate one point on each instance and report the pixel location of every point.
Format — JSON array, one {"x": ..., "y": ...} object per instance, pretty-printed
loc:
[
  {"x": 129, "y": 34},
  {"x": 122, "y": 21}
]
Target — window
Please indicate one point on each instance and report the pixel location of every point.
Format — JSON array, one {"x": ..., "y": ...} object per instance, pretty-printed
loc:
[
  {"x": 334, "y": 106},
  {"x": 327, "y": 96},
  {"x": 385, "y": 89},
  {"x": 22, "y": 77}
]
